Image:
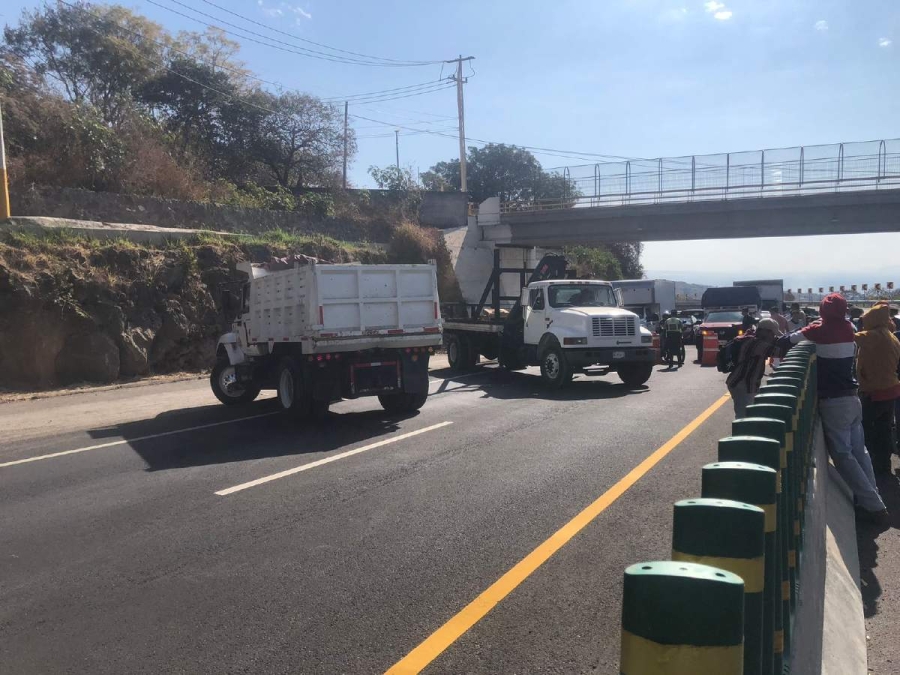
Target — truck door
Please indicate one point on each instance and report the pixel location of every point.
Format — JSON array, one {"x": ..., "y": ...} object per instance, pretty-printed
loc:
[{"x": 536, "y": 319}]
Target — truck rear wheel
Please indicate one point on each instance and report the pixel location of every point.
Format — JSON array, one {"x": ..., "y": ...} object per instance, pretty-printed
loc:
[
  {"x": 402, "y": 403},
  {"x": 460, "y": 353},
  {"x": 292, "y": 394},
  {"x": 635, "y": 374},
  {"x": 555, "y": 369},
  {"x": 226, "y": 388}
]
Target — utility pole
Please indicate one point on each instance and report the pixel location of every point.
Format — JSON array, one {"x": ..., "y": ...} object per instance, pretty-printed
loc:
[
  {"x": 346, "y": 106},
  {"x": 4, "y": 189},
  {"x": 397, "y": 147},
  {"x": 460, "y": 103}
]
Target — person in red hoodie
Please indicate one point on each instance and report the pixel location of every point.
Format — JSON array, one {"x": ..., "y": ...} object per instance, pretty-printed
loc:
[
  {"x": 879, "y": 387},
  {"x": 839, "y": 405}
]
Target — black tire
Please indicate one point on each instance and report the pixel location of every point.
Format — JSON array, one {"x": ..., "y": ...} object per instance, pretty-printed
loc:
[
  {"x": 291, "y": 388},
  {"x": 555, "y": 370},
  {"x": 221, "y": 379},
  {"x": 682, "y": 357},
  {"x": 457, "y": 352},
  {"x": 319, "y": 409},
  {"x": 402, "y": 403},
  {"x": 635, "y": 374}
]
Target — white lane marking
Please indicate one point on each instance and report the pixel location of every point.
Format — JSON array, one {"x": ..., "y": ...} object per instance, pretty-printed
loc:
[
  {"x": 328, "y": 460},
  {"x": 134, "y": 440}
]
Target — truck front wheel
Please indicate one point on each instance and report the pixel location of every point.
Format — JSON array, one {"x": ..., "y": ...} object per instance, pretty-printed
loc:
[
  {"x": 555, "y": 370},
  {"x": 226, "y": 388},
  {"x": 635, "y": 374},
  {"x": 402, "y": 403},
  {"x": 291, "y": 388}
]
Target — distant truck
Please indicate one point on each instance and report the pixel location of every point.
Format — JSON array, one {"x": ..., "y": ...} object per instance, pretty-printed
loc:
[
  {"x": 771, "y": 291},
  {"x": 722, "y": 312},
  {"x": 648, "y": 298},
  {"x": 562, "y": 325},
  {"x": 317, "y": 333}
]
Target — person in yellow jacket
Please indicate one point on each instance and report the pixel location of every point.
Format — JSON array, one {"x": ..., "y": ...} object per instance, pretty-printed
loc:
[{"x": 879, "y": 386}]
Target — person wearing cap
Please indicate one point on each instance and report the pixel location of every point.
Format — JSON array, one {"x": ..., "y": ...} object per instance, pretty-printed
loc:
[
  {"x": 839, "y": 406},
  {"x": 879, "y": 386},
  {"x": 743, "y": 382}
]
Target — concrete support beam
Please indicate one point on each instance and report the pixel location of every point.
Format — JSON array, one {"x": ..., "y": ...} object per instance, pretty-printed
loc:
[{"x": 852, "y": 212}]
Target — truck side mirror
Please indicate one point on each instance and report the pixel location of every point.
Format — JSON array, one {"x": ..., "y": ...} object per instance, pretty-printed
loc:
[
  {"x": 618, "y": 292},
  {"x": 230, "y": 302}
]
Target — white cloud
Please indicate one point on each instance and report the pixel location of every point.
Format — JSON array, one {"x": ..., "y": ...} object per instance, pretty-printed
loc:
[
  {"x": 821, "y": 25},
  {"x": 723, "y": 16},
  {"x": 885, "y": 42},
  {"x": 282, "y": 8},
  {"x": 713, "y": 6}
]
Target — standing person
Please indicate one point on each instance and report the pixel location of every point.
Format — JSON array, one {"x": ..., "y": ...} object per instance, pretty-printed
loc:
[
  {"x": 797, "y": 319},
  {"x": 895, "y": 319},
  {"x": 839, "y": 405},
  {"x": 798, "y": 314},
  {"x": 856, "y": 317},
  {"x": 747, "y": 319},
  {"x": 779, "y": 318},
  {"x": 743, "y": 382},
  {"x": 879, "y": 387},
  {"x": 673, "y": 329}
]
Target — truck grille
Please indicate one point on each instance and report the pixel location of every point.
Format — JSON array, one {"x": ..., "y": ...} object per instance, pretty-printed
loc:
[{"x": 622, "y": 326}]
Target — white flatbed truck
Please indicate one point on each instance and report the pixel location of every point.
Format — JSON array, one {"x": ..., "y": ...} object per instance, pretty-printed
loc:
[
  {"x": 318, "y": 333},
  {"x": 562, "y": 325}
]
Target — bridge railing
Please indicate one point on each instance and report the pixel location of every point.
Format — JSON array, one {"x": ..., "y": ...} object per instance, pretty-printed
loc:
[{"x": 779, "y": 172}]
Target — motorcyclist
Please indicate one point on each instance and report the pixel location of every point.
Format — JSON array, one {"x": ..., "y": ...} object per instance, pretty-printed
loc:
[{"x": 673, "y": 332}]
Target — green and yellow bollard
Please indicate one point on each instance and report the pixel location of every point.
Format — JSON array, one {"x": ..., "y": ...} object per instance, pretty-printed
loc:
[
  {"x": 766, "y": 452},
  {"x": 731, "y": 536},
  {"x": 757, "y": 485},
  {"x": 774, "y": 429},
  {"x": 681, "y": 618}
]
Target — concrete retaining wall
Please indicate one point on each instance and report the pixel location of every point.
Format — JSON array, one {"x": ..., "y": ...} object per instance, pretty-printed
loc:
[
  {"x": 830, "y": 632},
  {"x": 438, "y": 209}
]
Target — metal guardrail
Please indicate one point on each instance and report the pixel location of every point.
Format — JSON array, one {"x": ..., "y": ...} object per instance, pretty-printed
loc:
[{"x": 779, "y": 172}]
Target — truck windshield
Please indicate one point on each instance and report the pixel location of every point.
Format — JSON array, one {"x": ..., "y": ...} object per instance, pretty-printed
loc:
[
  {"x": 724, "y": 317},
  {"x": 581, "y": 295}
]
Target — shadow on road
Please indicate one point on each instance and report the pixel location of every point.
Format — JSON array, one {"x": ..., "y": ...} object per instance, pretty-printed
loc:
[
  {"x": 502, "y": 384},
  {"x": 264, "y": 436},
  {"x": 867, "y": 542}
]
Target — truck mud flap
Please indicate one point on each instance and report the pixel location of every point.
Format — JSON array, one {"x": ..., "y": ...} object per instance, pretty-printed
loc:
[{"x": 377, "y": 377}]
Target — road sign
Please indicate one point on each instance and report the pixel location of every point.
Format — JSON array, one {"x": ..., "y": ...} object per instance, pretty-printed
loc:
[
  {"x": 842, "y": 289},
  {"x": 865, "y": 287},
  {"x": 831, "y": 289},
  {"x": 890, "y": 285},
  {"x": 877, "y": 287},
  {"x": 821, "y": 289},
  {"x": 853, "y": 288}
]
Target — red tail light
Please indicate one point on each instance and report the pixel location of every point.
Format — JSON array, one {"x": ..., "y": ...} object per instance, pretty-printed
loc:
[
  {"x": 436, "y": 312},
  {"x": 321, "y": 315}
]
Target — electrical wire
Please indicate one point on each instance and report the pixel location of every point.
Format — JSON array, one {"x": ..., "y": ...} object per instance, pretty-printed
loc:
[
  {"x": 287, "y": 47},
  {"x": 350, "y": 97},
  {"x": 319, "y": 44}
]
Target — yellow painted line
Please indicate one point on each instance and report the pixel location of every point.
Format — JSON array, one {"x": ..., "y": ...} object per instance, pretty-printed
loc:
[
  {"x": 110, "y": 444},
  {"x": 328, "y": 460},
  {"x": 472, "y": 613}
]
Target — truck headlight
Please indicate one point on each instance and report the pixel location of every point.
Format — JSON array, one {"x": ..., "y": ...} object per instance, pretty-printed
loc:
[
  {"x": 575, "y": 341},
  {"x": 646, "y": 339}
]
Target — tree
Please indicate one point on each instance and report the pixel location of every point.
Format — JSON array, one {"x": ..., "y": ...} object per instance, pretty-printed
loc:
[
  {"x": 94, "y": 54},
  {"x": 594, "y": 262},
  {"x": 501, "y": 170},
  {"x": 393, "y": 178},
  {"x": 301, "y": 143}
]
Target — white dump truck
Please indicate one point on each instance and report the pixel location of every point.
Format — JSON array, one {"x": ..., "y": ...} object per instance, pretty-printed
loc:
[
  {"x": 317, "y": 333},
  {"x": 563, "y": 325}
]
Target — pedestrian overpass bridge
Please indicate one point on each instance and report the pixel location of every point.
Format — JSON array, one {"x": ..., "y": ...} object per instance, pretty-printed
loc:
[{"x": 848, "y": 188}]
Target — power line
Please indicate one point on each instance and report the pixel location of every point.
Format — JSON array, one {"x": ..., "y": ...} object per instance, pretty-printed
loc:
[
  {"x": 288, "y": 47},
  {"x": 319, "y": 44},
  {"x": 350, "y": 97}
]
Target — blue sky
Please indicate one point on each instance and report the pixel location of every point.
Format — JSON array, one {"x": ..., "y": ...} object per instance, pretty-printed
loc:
[{"x": 635, "y": 78}]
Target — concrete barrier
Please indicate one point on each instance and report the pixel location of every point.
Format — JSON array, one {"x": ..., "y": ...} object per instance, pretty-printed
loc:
[{"x": 818, "y": 625}]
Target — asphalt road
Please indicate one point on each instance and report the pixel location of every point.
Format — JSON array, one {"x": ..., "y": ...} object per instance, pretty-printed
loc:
[{"x": 122, "y": 558}]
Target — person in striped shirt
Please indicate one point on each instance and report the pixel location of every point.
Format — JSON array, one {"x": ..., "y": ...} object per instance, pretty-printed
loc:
[{"x": 839, "y": 405}]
